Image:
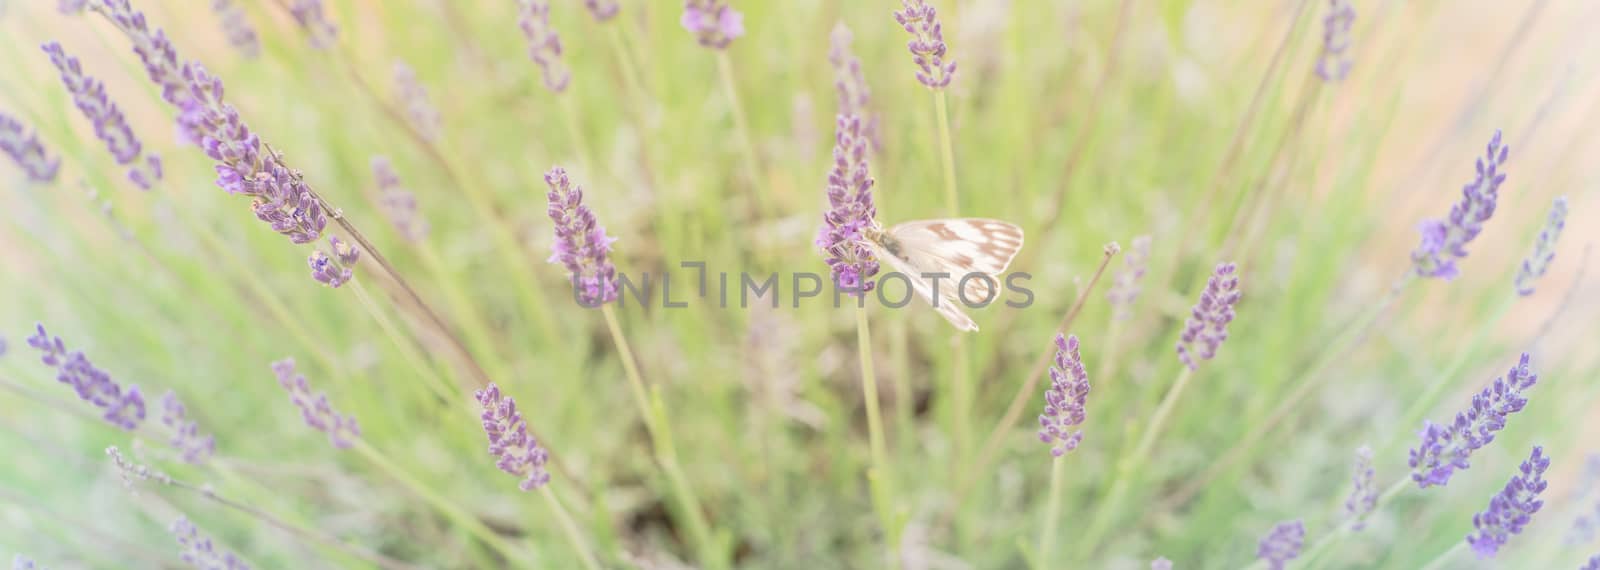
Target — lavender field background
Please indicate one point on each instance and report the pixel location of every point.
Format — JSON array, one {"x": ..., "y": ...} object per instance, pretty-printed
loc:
[{"x": 280, "y": 323}]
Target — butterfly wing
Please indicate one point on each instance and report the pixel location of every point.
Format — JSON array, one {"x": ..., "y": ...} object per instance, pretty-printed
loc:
[
  {"x": 980, "y": 247},
  {"x": 946, "y": 305}
]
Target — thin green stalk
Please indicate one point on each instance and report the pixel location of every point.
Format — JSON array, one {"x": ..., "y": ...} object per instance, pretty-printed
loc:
[
  {"x": 1440, "y": 381},
  {"x": 569, "y": 116},
  {"x": 947, "y": 154},
  {"x": 881, "y": 475},
  {"x": 408, "y": 351},
  {"x": 730, "y": 89},
  {"x": 579, "y": 545},
  {"x": 1129, "y": 466},
  {"x": 1052, "y": 516},
  {"x": 479, "y": 333},
  {"x": 1443, "y": 557},
  {"x": 444, "y": 505},
  {"x": 1313, "y": 554}
]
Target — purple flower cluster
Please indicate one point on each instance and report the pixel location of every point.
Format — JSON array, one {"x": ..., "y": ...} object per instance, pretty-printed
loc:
[
  {"x": 1161, "y": 563},
  {"x": 1282, "y": 544},
  {"x": 581, "y": 242},
  {"x": 1064, "y": 401},
  {"x": 1592, "y": 564},
  {"x": 337, "y": 269},
  {"x": 544, "y": 44},
  {"x": 419, "y": 108},
  {"x": 186, "y": 438},
  {"x": 602, "y": 10},
  {"x": 24, "y": 149},
  {"x": 927, "y": 45},
  {"x": 855, "y": 97},
  {"x": 520, "y": 453},
  {"x": 714, "y": 23},
  {"x": 1444, "y": 241},
  {"x": 1445, "y": 449},
  {"x": 1334, "y": 62},
  {"x": 1544, "y": 250},
  {"x": 1512, "y": 508},
  {"x": 308, "y": 13},
  {"x": 1125, "y": 286},
  {"x": 197, "y": 550},
  {"x": 342, "y": 429},
  {"x": 1363, "y": 492},
  {"x": 236, "y": 25},
  {"x": 89, "y": 94},
  {"x": 160, "y": 62},
  {"x": 20, "y": 562},
  {"x": 398, "y": 202},
  {"x": 123, "y": 408},
  {"x": 1207, "y": 326},
  {"x": 850, "y": 210}
]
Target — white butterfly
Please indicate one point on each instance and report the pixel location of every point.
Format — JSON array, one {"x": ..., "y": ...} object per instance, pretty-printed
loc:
[{"x": 957, "y": 247}]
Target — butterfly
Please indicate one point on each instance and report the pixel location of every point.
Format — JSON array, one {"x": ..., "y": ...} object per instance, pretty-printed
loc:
[{"x": 957, "y": 247}]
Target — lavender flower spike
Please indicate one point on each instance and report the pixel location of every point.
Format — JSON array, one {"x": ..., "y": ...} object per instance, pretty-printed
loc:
[
  {"x": 1444, "y": 242},
  {"x": 109, "y": 125},
  {"x": 850, "y": 82},
  {"x": 714, "y": 23},
  {"x": 1445, "y": 449},
  {"x": 581, "y": 242},
  {"x": 398, "y": 202},
  {"x": 602, "y": 10},
  {"x": 1512, "y": 508},
  {"x": 927, "y": 45},
  {"x": 1207, "y": 326},
  {"x": 1282, "y": 544},
  {"x": 123, "y": 408},
  {"x": 1125, "y": 287},
  {"x": 1334, "y": 62},
  {"x": 308, "y": 13},
  {"x": 419, "y": 109},
  {"x": 336, "y": 270},
  {"x": 520, "y": 453},
  {"x": 186, "y": 438},
  {"x": 1544, "y": 250},
  {"x": 342, "y": 429},
  {"x": 236, "y": 25},
  {"x": 1065, "y": 400},
  {"x": 197, "y": 551},
  {"x": 851, "y": 210},
  {"x": 1592, "y": 564},
  {"x": 24, "y": 149},
  {"x": 1363, "y": 492},
  {"x": 544, "y": 44}
]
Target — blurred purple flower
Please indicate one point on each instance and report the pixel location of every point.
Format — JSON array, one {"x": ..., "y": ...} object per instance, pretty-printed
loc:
[
  {"x": 341, "y": 429},
  {"x": 236, "y": 26},
  {"x": 544, "y": 44},
  {"x": 1363, "y": 492},
  {"x": 1512, "y": 508},
  {"x": 186, "y": 438},
  {"x": 1544, "y": 250},
  {"x": 197, "y": 551},
  {"x": 24, "y": 149},
  {"x": 855, "y": 96},
  {"x": 419, "y": 108},
  {"x": 1125, "y": 287},
  {"x": 714, "y": 23},
  {"x": 927, "y": 45},
  {"x": 337, "y": 269},
  {"x": 398, "y": 203},
  {"x": 89, "y": 94},
  {"x": 1444, "y": 241},
  {"x": 602, "y": 10},
  {"x": 160, "y": 63},
  {"x": 1161, "y": 563},
  {"x": 581, "y": 242},
  {"x": 1282, "y": 544},
  {"x": 520, "y": 453},
  {"x": 123, "y": 408},
  {"x": 71, "y": 6},
  {"x": 309, "y": 14},
  {"x": 1333, "y": 64},
  {"x": 1064, "y": 407},
  {"x": 1207, "y": 326},
  {"x": 1592, "y": 564},
  {"x": 1445, "y": 449},
  {"x": 851, "y": 211}
]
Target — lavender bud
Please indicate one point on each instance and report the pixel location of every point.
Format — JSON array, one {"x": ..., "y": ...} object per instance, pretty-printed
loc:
[
  {"x": 1333, "y": 64},
  {"x": 1282, "y": 544},
  {"x": 1444, "y": 242},
  {"x": 130, "y": 471},
  {"x": 713, "y": 23},
  {"x": 196, "y": 550},
  {"x": 581, "y": 242},
  {"x": 544, "y": 44},
  {"x": 89, "y": 95},
  {"x": 1125, "y": 286},
  {"x": 398, "y": 203},
  {"x": 186, "y": 438},
  {"x": 602, "y": 10},
  {"x": 520, "y": 453},
  {"x": 336, "y": 270},
  {"x": 1207, "y": 326},
  {"x": 851, "y": 84},
  {"x": 1363, "y": 492},
  {"x": 851, "y": 211},
  {"x": 927, "y": 45},
  {"x": 123, "y": 408},
  {"x": 419, "y": 109},
  {"x": 236, "y": 26},
  {"x": 341, "y": 429},
  {"x": 1544, "y": 250},
  {"x": 1065, "y": 400},
  {"x": 24, "y": 149},
  {"x": 18, "y": 562},
  {"x": 308, "y": 13},
  {"x": 1445, "y": 449},
  {"x": 1512, "y": 508}
]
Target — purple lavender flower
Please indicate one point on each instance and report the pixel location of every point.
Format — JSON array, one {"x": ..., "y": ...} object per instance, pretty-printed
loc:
[
  {"x": 1444, "y": 449},
  {"x": 419, "y": 108},
  {"x": 337, "y": 269},
  {"x": 71, "y": 6},
  {"x": 1064, "y": 407},
  {"x": 1512, "y": 508},
  {"x": 544, "y": 44},
  {"x": 602, "y": 10},
  {"x": 398, "y": 202},
  {"x": 1544, "y": 250},
  {"x": 123, "y": 408},
  {"x": 186, "y": 438},
  {"x": 1444, "y": 241},
  {"x": 308, "y": 13},
  {"x": 342, "y": 429},
  {"x": 714, "y": 23},
  {"x": 1161, "y": 563},
  {"x": 1592, "y": 564},
  {"x": 851, "y": 210},
  {"x": 1125, "y": 287},
  {"x": 927, "y": 45},
  {"x": 581, "y": 242},
  {"x": 160, "y": 62},
  {"x": 236, "y": 26},
  {"x": 109, "y": 125},
  {"x": 1207, "y": 326},
  {"x": 1334, "y": 62},
  {"x": 855, "y": 97},
  {"x": 520, "y": 453},
  {"x": 197, "y": 551},
  {"x": 1363, "y": 492},
  {"x": 1282, "y": 544},
  {"x": 24, "y": 149}
]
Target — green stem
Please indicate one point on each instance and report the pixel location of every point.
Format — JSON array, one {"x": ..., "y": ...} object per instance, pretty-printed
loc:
[
  {"x": 1047, "y": 538},
  {"x": 569, "y": 115},
  {"x": 1131, "y": 464},
  {"x": 1443, "y": 557},
  {"x": 570, "y": 528},
  {"x": 947, "y": 154},
  {"x": 445, "y": 506},
  {"x": 746, "y": 143},
  {"x": 479, "y": 334},
  {"x": 408, "y": 351},
  {"x": 1332, "y": 539},
  {"x": 881, "y": 476}
]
